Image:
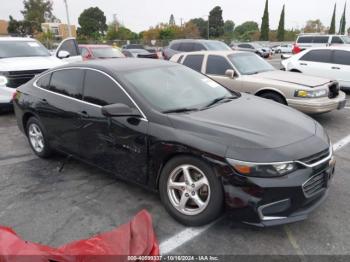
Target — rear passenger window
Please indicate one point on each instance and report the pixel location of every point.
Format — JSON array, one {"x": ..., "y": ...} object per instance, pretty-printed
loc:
[
  {"x": 100, "y": 90},
  {"x": 198, "y": 47},
  {"x": 44, "y": 82},
  {"x": 175, "y": 46},
  {"x": 341, "y": 57},
  {"x": 305, "y": 40},
  {"x": 186, "y": 47},
  {"x": 217, "y": 65},
  {"x": 68, "y": 82},
  {"x": 194, "y": 62},
  {"x": 321, "y": 56},
  {"x": 320, "y": 39}
]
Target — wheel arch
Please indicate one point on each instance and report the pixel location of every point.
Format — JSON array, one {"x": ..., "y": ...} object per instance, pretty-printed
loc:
[{"x": 271, "y": 90}]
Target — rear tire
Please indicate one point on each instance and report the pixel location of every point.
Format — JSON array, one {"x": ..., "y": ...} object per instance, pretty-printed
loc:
[
  {"x": 37, "y": 138},
  {"x": 274, "y": 96},
  {"x": 190, "y": 191}
]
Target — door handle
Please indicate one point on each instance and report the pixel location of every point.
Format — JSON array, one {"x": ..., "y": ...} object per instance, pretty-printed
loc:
[
  {"x": 84, "y": 114},
  {"x": 303, "y": 64},
  {"x": 336, "y": 68},
  {"x": 44, "y": 100}
]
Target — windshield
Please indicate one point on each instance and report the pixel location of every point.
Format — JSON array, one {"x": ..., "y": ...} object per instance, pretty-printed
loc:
[
  {"x": 217, "y": 46},
  {"x": 346, "y": 39},
  {"x": 106, "y": 52},
  {"x": 22, "y": 49},
  {"x": 248, "y": 64},
  {"x": 174, "y": 87}
]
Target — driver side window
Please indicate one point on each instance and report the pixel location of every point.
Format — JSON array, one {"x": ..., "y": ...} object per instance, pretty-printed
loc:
[{"x": 217, "y": 65}]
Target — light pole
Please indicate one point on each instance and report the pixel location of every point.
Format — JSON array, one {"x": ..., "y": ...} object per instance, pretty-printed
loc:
[{"x": 68, "y": 22}]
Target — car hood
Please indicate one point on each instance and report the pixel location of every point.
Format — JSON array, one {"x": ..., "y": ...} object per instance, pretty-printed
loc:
[
  {"x": 254, "y": 129},
  {"x": 29, "y": 63},
  {"x": 293, "y": 78}
]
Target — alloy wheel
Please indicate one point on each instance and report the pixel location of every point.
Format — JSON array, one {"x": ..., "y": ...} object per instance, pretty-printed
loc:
[
  {"x": 36, "y": 137},
  {"x": 188, "y": 190}
]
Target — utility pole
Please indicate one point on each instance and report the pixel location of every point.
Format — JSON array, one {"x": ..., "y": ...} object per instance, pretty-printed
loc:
[
  {"x": 68, "y": 22},
  {"x": 208, "y": 25}
]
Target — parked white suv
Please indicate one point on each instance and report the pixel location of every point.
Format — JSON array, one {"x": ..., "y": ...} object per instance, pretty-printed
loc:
[
  {"x": 306, "y": 41},
  {"x": 332, "y": 62},
  {"x": 23, "y": 58}
]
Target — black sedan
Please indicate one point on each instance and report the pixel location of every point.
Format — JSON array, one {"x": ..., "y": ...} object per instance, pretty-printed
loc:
[{"x": 170, "y": 129}]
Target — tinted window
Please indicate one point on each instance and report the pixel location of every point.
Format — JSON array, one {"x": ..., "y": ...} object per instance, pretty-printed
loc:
[
  {"x": 198, "y": 47},
  {"x": 217, "y": 65},
  {"x": 99, "y": 89},
  {"x": 70, "y": 46},
  {"x": 68, "y": 82},
  {"x": 321, "y": 56},
  {"x": 337, "y": 40},
  {"x": 320, "y": 39},
  {"x": 305, "y": 40},
  {"x": 44, "y": 82},
  {"x": 194, "y": 62},
  {"x": 341, "y": 57},
  {"x": 84, "y": 52},
  {"x": 175, "y": 46},
  {"x": 186, "y": 47},
  {"x": 245, "y": 46}
]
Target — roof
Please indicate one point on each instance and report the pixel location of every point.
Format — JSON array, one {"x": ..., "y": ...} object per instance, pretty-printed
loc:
[
  {"x": 345, "y": 47},
  {"x": 94, "y": 46},
  {"x": 9, "y": 38},
  {"x": 194, "y": 40},
  {"x": 121, "y": 64},
  {"x": 229, "y": 52}
]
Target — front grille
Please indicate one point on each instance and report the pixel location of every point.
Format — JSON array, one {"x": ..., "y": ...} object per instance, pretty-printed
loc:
[
  {"x": 17, "y": 78},
  {"x": 315, "y": 184},
  {"x": 316, "y": 157},
  {"x": 333, "y": 90}
]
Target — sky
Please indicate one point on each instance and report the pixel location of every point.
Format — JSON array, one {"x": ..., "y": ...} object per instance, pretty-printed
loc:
[{"x": 139, "y": 15}]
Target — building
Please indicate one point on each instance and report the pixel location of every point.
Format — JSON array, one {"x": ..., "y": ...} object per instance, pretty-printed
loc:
[
  {"x": 59, "y": 30},
  {"x": 3, "y": 27}
]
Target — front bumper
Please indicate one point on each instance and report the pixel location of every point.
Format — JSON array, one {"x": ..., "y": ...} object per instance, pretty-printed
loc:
[
  {"x": 6, "y": 94},
  {"x": 275, "y": 201},
  {"x": 318, "y": 105}
]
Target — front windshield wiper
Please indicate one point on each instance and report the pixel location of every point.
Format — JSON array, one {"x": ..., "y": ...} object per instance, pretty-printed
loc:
[
  {"x": 180, "y": 110},
  {"x": 219, "y": 99}
]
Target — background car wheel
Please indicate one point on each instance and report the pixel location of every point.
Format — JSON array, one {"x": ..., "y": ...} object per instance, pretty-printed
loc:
[
  {"x": 37, "y": 138},
  {"x": 190, "y": 191},
  {"x": 274, "y": 96}
]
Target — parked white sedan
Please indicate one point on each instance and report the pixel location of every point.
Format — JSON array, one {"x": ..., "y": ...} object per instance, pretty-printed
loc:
[{"x": 330, "y": 62}]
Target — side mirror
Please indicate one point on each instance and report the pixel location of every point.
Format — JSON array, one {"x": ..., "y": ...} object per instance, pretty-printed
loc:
[
  {"x": 63, "y": 54},
  {"x": 230, "y": 73},
  {"x": 119, "y": 110}
]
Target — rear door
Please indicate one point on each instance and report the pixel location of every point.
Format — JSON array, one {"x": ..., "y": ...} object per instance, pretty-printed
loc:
[
  {"x": 59, "y": 109},
  {"x": 194, "y": 61},
  {"x": 70, "y": 45},
  {"x": 117, "y": 144},
  {"x": 316, "y": 62},
  {"x": 340, "y": 70}
]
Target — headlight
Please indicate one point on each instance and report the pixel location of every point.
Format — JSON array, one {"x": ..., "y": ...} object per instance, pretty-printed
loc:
[
  {"x": 262, "y": 169},
  {"x": 311, "y": 94},
  {"x": 3, "y": 80}
]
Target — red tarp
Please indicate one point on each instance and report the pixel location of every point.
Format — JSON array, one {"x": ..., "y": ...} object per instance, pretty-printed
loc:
[{"x": 136, "y": 238}]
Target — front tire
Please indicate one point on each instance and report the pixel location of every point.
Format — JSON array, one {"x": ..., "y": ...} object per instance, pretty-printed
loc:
[
  {"x": 37, "y": 138},
  {"x": 190, "y": 191},
  {"x": 274, "y": 96}
]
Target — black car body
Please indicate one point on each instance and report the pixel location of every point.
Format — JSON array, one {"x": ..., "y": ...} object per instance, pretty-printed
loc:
[
  {"x": 193, "y": 45},
  {"x": 110, "y": 124}
]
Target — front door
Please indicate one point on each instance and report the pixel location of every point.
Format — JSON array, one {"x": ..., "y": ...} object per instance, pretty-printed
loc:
[{"x": 118, "y": 144}]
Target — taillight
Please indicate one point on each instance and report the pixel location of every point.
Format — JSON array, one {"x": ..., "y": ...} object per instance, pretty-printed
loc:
[
  {"x": 296, "y": 49},
  {"x": 14, "y": 95}
]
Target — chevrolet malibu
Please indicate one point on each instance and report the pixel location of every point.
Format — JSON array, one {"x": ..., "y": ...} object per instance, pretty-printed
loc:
[
  {"x": 247, "y": 72},
  {"x": 165, "y": 127}
]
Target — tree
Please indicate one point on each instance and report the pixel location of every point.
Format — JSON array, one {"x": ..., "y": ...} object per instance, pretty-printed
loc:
[
  {"x": 202, "y": 26},
  {"x": 216, "y": 22},
  {"x": 314, "y": 26},
  {"x": 37, "y": 12},
  {"x": 190, "y": 30},
  {"x": 265, "y": 28},
  {"x": 172, "y": 20},
  {"x": 92, "y": 23},
  {"x": 21, "y": 28},
  {"x": 342, "y": 27},
  {"x": 281, "y": 30},
  {"x": 249, "y": 26},
  {"x": 13, "y": 26},
  {"x": 229, "y": 26},
  {"x": 332, "y": 27}
]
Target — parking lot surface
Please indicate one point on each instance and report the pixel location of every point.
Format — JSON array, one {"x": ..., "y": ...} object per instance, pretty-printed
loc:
[{"x": 51, "y": 207}]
